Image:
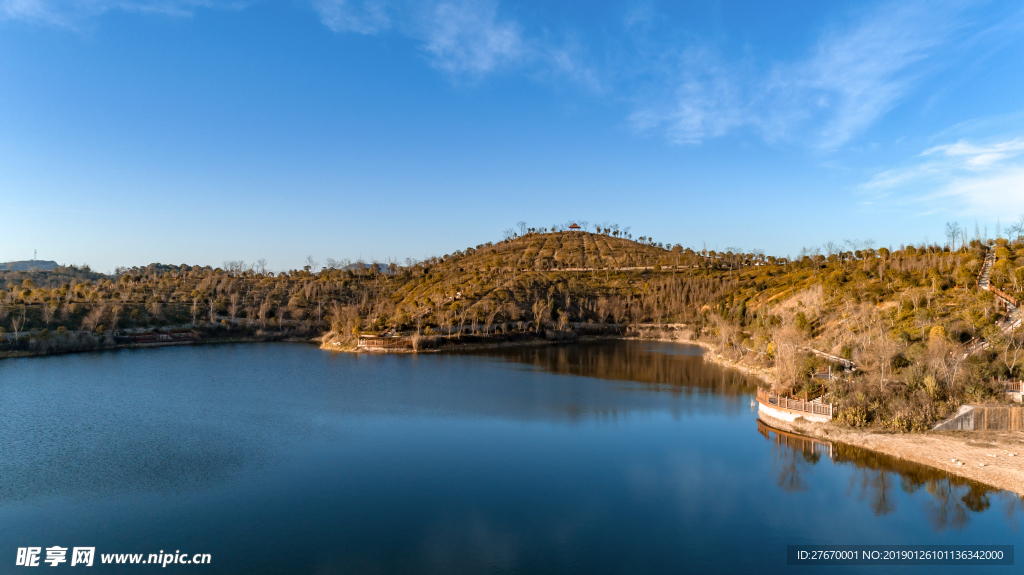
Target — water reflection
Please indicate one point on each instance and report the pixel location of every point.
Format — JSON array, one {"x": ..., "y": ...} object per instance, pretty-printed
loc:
[
  {"x": 877, "y": 478},
  {"x": 657, "y": 366},
  {"x": 284, "y": 459}
]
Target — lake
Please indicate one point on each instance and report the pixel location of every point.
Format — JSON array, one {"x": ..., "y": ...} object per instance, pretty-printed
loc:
[{"x": 611, "y": 457}]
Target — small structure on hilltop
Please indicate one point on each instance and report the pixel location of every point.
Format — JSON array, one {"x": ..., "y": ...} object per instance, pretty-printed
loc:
[{"x": 574, "y": 228}]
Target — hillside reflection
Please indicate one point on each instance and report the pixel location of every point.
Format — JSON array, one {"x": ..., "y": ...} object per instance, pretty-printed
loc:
[
  {"x": 654, "y": 365},
  {"x": 878, "y": 480}
]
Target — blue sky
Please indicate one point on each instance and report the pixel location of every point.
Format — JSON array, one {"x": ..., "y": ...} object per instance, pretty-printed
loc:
[{"x": 199, "y": 131}]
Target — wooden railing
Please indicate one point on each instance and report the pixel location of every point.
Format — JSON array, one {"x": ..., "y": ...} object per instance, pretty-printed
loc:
[
  {"x": 1017, "y": 386},
  {"x": 385, "y": 342},
  {"x": 793, "y": 404},
  {"x": 1009, "y": 298}
]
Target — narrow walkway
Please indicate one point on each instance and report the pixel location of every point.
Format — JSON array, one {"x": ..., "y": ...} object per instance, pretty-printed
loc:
[
  {"x": 986, "y": 269},
  {"x": 844, "y": 362},
  {"x": 1014, "y": 313}
]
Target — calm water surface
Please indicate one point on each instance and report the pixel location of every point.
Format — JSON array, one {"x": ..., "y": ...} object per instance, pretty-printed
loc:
[{"x": 620, "y": 457}]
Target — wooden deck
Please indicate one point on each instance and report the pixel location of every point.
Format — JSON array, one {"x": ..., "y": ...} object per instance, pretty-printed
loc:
[
  {"x": 796, "y": 406},
  {"x": 371, "y": 342}
]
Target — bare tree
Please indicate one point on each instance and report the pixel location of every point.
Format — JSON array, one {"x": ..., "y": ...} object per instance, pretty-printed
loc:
[
  {"x": 1013, "y": 350},
  {"x": 93, "y": 318},
  {"x": 522, "y": 227},
  {"x": 235, "y": 305},
  {"x": 264, "y": 312},
  {"x": 115, "y": 316},
  {"x": 1016, "y": 229},
  {"x": 540, "y": 309},
  {"x": 952, "y": 231},
  {"x": 492, "y": 312},
  {"x": 154, "y": 309},
  {"x": 786, "y": 339},
  {"x": 726, "y": 331},
  {"x": 18, "y": 322},
  {"x": 47, "y": 313}
]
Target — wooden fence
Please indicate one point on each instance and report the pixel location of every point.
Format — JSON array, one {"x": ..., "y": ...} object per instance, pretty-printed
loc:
[
  {"x": 792, "y": 404},
  {"x": 978, "y": 418},
  {"x": 1006, "y": 297},
  {"x": 374, "y": 342}
]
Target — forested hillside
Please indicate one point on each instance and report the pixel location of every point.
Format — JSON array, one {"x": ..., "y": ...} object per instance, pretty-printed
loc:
[{"x": 922, "y": 335}]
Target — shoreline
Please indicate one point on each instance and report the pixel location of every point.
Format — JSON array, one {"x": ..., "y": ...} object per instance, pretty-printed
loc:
[
  {"x": 984, "y": 454},
  {"x": 207, "y": 341}
]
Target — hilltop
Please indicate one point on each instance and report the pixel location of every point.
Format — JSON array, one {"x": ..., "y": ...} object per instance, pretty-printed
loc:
[{"x": 29, "y": 265}]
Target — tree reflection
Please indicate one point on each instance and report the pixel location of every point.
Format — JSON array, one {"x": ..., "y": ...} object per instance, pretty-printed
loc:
[
  {"x": 658, "y": 367},
  {"x": 951, "y": 499},
  {"x": 875, "y": 486},
  {"x": 793, "y": 455}
]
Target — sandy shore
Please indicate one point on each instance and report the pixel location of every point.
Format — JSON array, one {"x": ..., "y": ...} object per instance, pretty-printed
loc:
[{"x": 982, "y": 456}]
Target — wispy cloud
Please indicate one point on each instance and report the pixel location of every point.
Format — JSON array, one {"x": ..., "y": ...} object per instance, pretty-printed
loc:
[
  {"x": 980, "y": 157},
  {"x": 73, "y": 13},
  {"x": 856, "y": 75},
  {"x": 705, "y": 101},
  {"x": 962, "y": 177},
  {"x": 852, "y": 77},
  {"x": 458, "y": 37},
  {"x": 359, "y": 16},
  {"x": 471, "y": 37},
  {"x": 677, "y": 84}
]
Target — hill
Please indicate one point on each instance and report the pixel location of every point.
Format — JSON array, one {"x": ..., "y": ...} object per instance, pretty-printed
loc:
[
  {"x": 29, "y": 265},
  {"x": 926, "y": 328}
]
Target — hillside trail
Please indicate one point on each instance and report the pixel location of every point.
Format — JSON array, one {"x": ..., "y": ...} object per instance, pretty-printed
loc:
[{"x": 1014, "y": 312}]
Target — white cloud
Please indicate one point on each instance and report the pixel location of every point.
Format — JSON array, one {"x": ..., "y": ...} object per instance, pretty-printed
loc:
[
  {"x": 980, "y": 179},
  {"x": 980, "y": 157},
  {"x": 362, "y": 17},
  {"x": 706, "y": 101},
  {"x": 999, "y": 193},
  {"x": 690, "y": 91},
  {"x": 72, "y": 13},
  {"x": 458, "y": 37},
  {"x": 850, "y": 79},
  {"x": 469, "y": 37},
  {"x": 857, "y": 75}
]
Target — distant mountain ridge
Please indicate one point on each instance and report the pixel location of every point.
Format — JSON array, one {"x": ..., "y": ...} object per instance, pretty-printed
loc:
[{"x": 28, "y": 265}]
